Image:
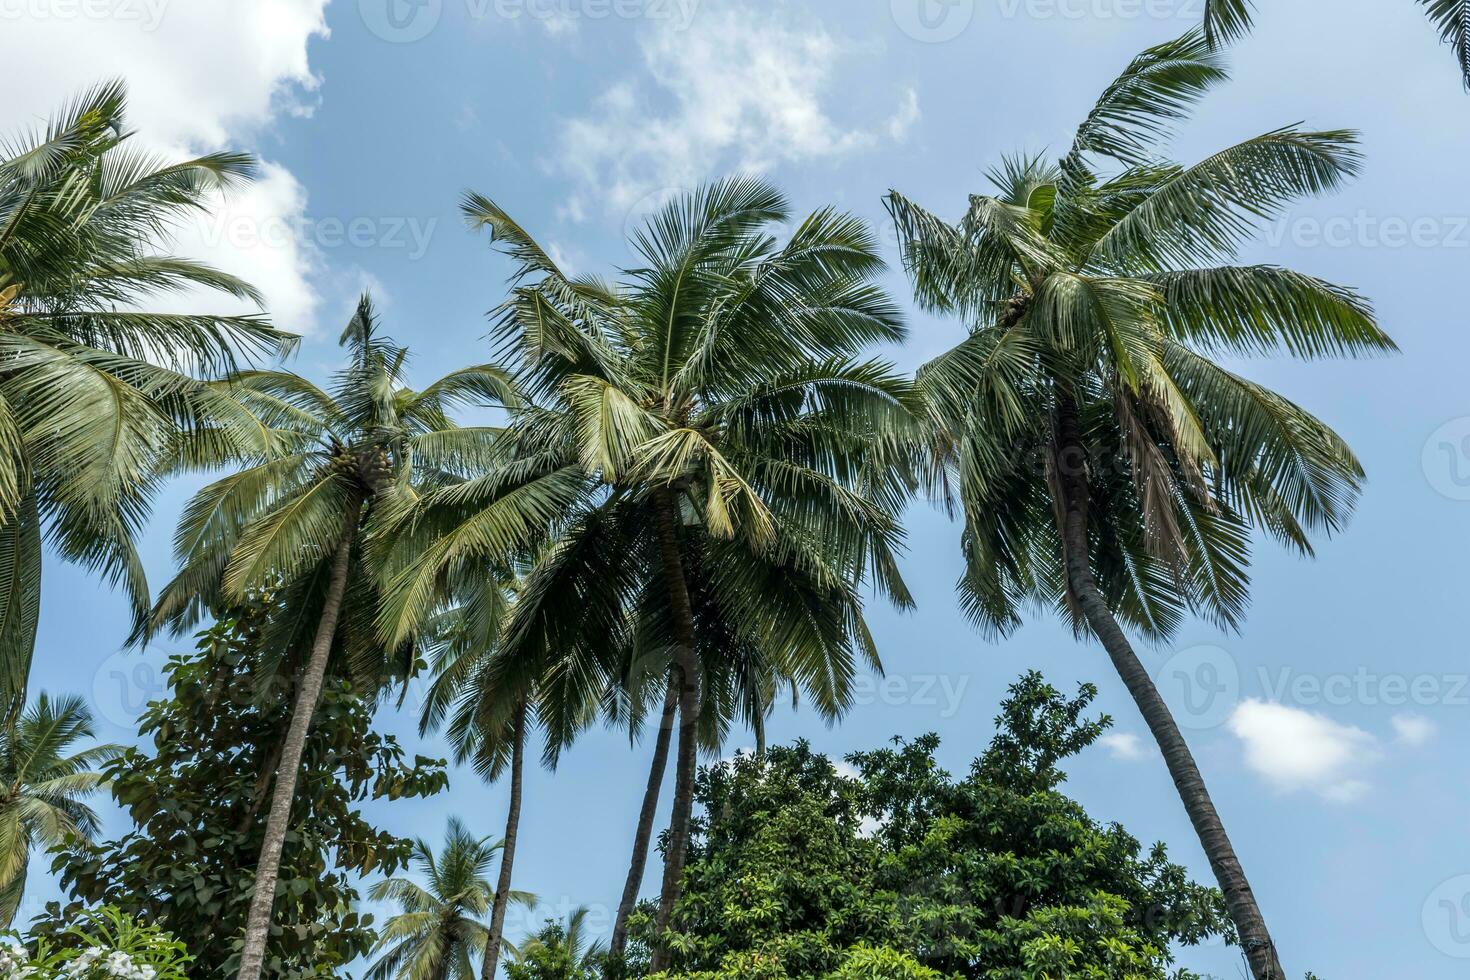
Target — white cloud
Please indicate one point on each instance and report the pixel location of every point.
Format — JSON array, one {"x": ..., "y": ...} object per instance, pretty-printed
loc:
[
  {"x": 738, "y": 89},
  {"x": 202, "y": 76},
  {"x": 907, "y": 115},
  {"x": 1122, "y": 745},
  {"x": 1412, "y": 729},
  {"x": 1295, "y": 749}
]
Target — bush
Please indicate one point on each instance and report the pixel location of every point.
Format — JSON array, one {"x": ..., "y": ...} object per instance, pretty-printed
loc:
[{"x": 104, "y": 945}]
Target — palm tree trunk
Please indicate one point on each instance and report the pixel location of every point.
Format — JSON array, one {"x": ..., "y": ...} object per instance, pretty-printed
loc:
[
  {"x": 684, "y": 771},
  {"x": 258, "y": 923},
  {"x": 507, "y": 849},
  {"x": 644, "y": 835},
  {"x": 1072, "y": 481}
]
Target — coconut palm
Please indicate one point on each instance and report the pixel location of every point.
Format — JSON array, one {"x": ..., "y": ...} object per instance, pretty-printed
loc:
[
  {"x": 93, "y": 381},
  {"x": 438, "y": 934},
  {"x": 1229, "y": 20},
  {"x": 488, "y": 720},
  {"x": 560, "y": 951},
  {"x": 44, "y": 788},
  {"x": 318, "y": 464},
  {"x": 1105, "y": 464},
  {"x": 698, "y": 445}
]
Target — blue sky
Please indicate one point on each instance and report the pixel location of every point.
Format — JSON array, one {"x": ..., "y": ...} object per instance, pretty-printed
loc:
[{"x": 1329, "y": 730}]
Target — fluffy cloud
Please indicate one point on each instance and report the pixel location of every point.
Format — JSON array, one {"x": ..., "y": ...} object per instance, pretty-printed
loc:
[
  {"x": 202, "y": 76},
  {"x": 1413, "y": 730},
  {"x": 1298, "y": 750},
  {"x": 1122, "y": 745},
  {"x": 738, "y": 88}
]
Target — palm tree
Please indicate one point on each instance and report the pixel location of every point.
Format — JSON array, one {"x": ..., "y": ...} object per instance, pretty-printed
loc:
[
  {"x": 698, "y": 447},
  {"x": 560, "y": 951},
  {"x": 489, "y": 719},
  {"x": 318, "y": 464},
  {"x": 1229, "y": 20},
  {"x": 43, "y": 788},
  {"x": 1105, "y": 464},
  {"x": 438, "y": 934},
  {"x": 92, "y": 381}
]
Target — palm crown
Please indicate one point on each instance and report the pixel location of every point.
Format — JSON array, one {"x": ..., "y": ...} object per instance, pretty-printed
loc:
[
  {"x": 93, "y": 382},
  {"x": 438, "y": 933},
  {"x": 719, "y": 373},
  {"x": 313, "y": 457},
  {"x": 1104, "y": 297},
  {"x": 45, "y": 784}
]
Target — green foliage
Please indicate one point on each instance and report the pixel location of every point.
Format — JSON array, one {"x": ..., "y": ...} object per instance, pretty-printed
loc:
[
  {"x": 441, "y": 929},
  {"x": 42, "y": 787},
  {"x": 198, "y": 799},
  {"x": 905, "y": 872},
  {"x": 1109, "y": 297},
  {"x": 96, "y": 379},
  {"x": 725, "y": 373},
  {"x": 560, "y": 951},
  {"x": 104, "y": 944}
]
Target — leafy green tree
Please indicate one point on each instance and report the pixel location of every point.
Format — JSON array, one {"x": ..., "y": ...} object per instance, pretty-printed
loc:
[
  {"x": 700, "y": 466},
  {"x": 439, "y": 935},
  {"x": 43, "y": 783},
  {"x": 559, "y": 951},
  {"x": 1106, "y": 465},
  {"x": 195, "y": 799},
  {"x": 94, "y": 380},
  {"x": 318, "y": 465},
  {"x": 906, "y": 872}
]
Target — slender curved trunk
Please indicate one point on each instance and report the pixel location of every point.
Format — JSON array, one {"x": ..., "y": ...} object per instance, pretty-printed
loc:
[
  {"x": 268, "y": 868},
  {"x": 1071, "y": 479},
  {"x": 688, "y": 664},
  {"x": 646, "y": 816},
  {"x": 508, "y": 849}
]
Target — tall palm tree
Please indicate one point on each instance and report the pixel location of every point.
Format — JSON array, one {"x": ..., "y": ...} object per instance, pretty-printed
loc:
[
  {"x": 488, "y": 720},
  {"x": 1229, "y": 20},
  {"x": 93, "y": 381},
  {"x": 42, "y": 788},
  {"x": 698, "y": 445},
  {"x": 1105, "y": 464},
  {"x": 439, "y": 934},
  {"x": 319, "y": 463},
  {"x": 561, "y": 951}
]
